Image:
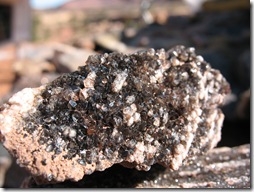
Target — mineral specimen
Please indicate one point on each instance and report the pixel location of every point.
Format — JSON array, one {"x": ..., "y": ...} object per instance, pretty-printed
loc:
[{"x": 139, "y": 109}]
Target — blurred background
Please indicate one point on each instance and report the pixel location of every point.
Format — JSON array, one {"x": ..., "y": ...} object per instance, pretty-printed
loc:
[{"x": 41, "y": 39}]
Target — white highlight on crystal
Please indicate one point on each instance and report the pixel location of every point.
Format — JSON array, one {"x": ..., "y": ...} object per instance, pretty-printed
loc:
[
  {"x": 150, "y": 113},
  {"x": 139, "y": 152},
  {"x": 158, "y": 76},
  {"x": 70, "y": 132},
  {"x": 89, "y": 81},
  {"x": 130, "y": 115},
  {"x": 156, "y": 121},
  {"x": 88, "y": 84},
  {"x": 119, "y": 81},
  {"x": 130, "y": 99}
]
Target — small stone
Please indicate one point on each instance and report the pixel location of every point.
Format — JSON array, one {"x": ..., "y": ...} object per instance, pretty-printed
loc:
[
  {"x": 49, "y": 177},
  {"x": 72, "y": 103},
  {"x": 81, "y": 162},
  {"x": 119, "y": 81},
  {"x": 89, "y": 81},
  {"x": 49, "y": 148},
  {"x": 130, "y": 99},
  {"x": 175, "y": 61},
  {"x": 72, "y": 133},
  {"x": 156, "y": 121}
]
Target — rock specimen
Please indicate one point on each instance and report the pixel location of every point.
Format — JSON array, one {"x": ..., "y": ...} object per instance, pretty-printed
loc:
[{"x": 139, "y": 109}]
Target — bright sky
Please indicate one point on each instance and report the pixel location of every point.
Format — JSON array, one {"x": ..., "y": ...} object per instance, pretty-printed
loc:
[{"x": 46, "y": 4}]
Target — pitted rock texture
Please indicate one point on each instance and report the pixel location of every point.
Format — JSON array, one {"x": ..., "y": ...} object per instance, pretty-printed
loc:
[
  {"x": 220, "y": 168},
  {"x": 139, "y": 109}
]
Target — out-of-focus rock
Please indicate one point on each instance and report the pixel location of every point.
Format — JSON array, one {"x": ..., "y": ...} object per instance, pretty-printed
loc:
[
  {"x": 225, "y": 5},
  {"x": 5, "y": 162},
  {"x": 84, "y": 43},
  {"x": 7, "y": 75},
  {"x": 194, "y": 6},
  {"x": 5, "y": 89},
  {"x": 130, "y": 32},
  {"x": 35, "y": 51},
  {"x": 156, "y": 35},
  {"x": 32, "y": 68},
  {"x": 161, "y": 17},
  {"x": 15, "y": 175},
  {"x": 110, "y": 42},
  {"x": 65, "y": 58},
  {"x": 145, "y": 13},
  {"x": 243, "y": 69},
  {"x": 243, "y": 106},
  {"x": 220, "y": 168}
]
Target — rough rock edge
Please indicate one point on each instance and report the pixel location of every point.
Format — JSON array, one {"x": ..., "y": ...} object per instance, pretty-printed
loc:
[
  {"x": 19, "y": 104},
  {"x": 220, "y": 168}
]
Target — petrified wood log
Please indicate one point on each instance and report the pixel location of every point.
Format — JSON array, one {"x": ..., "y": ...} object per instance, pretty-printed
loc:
[
  {"x": 139, "y": 109},
  {"x": 219, "y": 168}
]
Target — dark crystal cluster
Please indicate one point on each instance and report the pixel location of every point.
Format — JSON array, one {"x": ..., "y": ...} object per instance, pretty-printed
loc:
[{"x": 147, "y": 107}]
